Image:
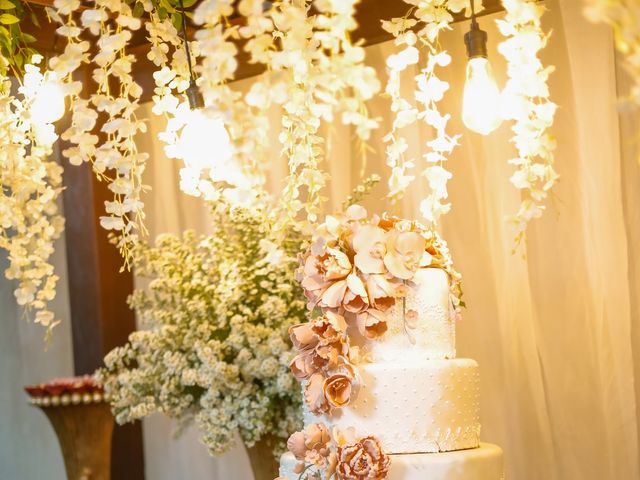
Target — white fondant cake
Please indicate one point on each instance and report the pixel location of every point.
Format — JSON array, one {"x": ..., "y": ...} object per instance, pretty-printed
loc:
[
  {"x": 413, "y": 396},
  {"x": 483, "y": 463},
  {"x": 427, "y": 406},
  {"x": 434, "y": 333}
]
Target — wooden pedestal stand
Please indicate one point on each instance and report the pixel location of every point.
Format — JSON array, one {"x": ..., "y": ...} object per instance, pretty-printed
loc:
[
  {"x": 83, "y": 425},
  {"x": 263, "y": 463}
]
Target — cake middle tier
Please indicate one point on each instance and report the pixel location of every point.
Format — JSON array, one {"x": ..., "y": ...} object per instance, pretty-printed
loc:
[{"x": 418, "y": 407}]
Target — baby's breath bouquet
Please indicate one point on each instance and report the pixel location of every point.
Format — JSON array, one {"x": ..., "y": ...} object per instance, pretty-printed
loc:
[{"x": 214, "y": 348}]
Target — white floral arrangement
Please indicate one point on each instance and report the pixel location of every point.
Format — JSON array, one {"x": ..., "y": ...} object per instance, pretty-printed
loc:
[{"x": 214, "y": 349}]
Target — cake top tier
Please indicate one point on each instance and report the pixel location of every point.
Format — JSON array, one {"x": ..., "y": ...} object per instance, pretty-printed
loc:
[{"x": 360, "y": 267}]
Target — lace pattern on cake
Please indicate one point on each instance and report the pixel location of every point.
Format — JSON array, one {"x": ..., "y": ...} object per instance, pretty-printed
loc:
[{"x": 432, "y": 334}]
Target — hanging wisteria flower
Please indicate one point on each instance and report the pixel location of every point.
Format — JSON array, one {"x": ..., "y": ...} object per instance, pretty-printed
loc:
[
  {"x": 624, "y": 18},
  {"x": 115, "y": 159},
  {"x": 527, "y": 96},
  {"x": 432, "y": 16},
  {"x": 31, "y": 184}
]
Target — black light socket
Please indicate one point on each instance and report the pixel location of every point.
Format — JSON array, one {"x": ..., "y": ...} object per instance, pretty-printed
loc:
[
  {"x": 476, "y": 41},
  {"x": 196, "y": 100}
]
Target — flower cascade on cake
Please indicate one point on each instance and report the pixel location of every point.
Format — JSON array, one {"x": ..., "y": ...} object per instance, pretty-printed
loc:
[
  {"x": 358, "y": 274},
  {"x": 323, "y": 455},
  {"x": 360, "y": 267}
]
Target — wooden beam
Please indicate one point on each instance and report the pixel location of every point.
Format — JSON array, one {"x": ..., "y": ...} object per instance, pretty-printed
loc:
[{"x": 100, "y": 317}]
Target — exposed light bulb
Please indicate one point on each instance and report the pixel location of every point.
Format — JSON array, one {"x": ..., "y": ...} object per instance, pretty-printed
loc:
[
  {"x": 204, "y": 141},
  {"x": 481, "y": 99},
  {"x": 48, "y": 104}
]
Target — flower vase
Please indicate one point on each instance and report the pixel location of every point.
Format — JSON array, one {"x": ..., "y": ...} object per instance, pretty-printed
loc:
[
  {"x": 263, "y": 463},
  {"x": 83, "y": 424}
]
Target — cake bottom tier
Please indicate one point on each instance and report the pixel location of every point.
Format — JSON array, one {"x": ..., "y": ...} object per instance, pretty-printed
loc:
[{"x": 482, "y": 463}]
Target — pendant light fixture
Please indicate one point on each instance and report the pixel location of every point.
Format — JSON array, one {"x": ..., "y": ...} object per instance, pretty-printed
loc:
[
  {"x": 481, "y": 99},
  {"x": 204, "y": 141},
  {"x": 48, "y": 106}
]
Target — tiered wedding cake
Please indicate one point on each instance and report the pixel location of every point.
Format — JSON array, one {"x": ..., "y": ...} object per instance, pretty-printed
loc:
[{"x": 411, "y": 409}]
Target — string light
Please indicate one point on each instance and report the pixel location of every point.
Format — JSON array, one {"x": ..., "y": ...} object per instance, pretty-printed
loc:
[
  {"x": 48, "y": 106},
  {"x": 204, "y": 141},
  {"x": 481, "y": 99}
]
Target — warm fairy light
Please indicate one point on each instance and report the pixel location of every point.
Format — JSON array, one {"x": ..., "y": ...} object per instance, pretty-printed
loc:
[
  {"x": 481, "y": 100},
  {"x": 48, "y": 104},
  {"x": 204, "y": 141}
]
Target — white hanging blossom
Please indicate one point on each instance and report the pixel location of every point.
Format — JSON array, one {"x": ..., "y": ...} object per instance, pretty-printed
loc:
[
  {"x": 431, "y": 17},
  {"x": 31, "y": 184},
  {"x": 526, "y": 96},
  {"x": 624, "y": 17},
  {"x": 114, "y": 156},
  {"x": 324, "y": 75}
]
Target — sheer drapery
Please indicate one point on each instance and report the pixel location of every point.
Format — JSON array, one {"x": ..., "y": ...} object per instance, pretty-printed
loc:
[
  {"x": 25, "y": 431},
  {"x": 557, "y": 332}
]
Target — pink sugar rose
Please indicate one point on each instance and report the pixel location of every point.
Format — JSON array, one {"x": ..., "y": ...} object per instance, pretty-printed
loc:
[
  {"x": 303, "y": 336},
  {"x": 321, "y": 344},
  {"x": 372, "y": 324},
  {"x": 337, "y": 390},
  {"x": 314, "y": 395},
  {"x": 362, "y": 460},
  {"x": 329, "y": 328},
  {"x": 382, "y": 291},
  {"x": 314, "y": 438}
]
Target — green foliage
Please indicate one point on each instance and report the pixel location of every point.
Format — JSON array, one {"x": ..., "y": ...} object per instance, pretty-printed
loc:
[{"x": 15, "y": 50}]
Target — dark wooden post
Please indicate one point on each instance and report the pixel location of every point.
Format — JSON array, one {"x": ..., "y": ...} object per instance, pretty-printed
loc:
[{"x": 100, "y": 316}]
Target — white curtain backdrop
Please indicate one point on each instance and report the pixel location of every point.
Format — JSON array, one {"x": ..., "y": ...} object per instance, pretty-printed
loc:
[
  {"x": 25, "y": 431},
  {"x": 556, "y": 333}
]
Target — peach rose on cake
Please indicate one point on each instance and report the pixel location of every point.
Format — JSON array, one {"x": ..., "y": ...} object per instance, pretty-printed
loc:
[
  {"x": 372, "y": 324},
  {"x": 321, "y": 343},
  {"x": 383, "y": 291},
  {"x": 315, "y": 438},
  {"x": 362, "y": 460},
  {"x": 314, "y": 395},
  {"x": 337, "y": 390}
]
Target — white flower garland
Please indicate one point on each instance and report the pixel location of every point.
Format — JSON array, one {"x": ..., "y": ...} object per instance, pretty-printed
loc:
[
  {"x": 324, "y": 74},
  {"x": 527, "y": 96},
  {"x": 115, "y": 157},
  {"x": 434, "y": 16},
  {"x": 624, "y": 17},
  {"x": 31, "y": 184}
]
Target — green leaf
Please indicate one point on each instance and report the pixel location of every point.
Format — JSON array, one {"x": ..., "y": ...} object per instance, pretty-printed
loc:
[
  {"x": 34, "y": 19},
  {"x": 176, "y": 19},
  {"x": 6, "y": 5},
  {"x": 138, "y": 10},
  {"x": 189, "y": 3},
  {"x": 27, "y": 38},
  {"x": 8, "y": 19},
  {"x": 167, "y": 5}
]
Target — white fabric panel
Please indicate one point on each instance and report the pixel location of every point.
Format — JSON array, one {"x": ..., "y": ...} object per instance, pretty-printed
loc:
[
  {"x": 552, "y": 331},
  {"x": 28, "y": 445}
]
